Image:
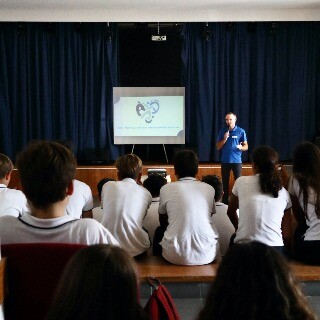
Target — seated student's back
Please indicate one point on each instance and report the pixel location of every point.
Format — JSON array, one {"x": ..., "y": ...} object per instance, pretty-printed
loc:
[
  {"x": 304, "y": 189},
  {"x": 264, "y": 204},
  {"x": 220, "y": 218},
  {"x": 12, "y": 202},
  {"x": 125, "y": 204},
  {"x": 153, "y": 184},
  {"x": 97, "y": 212},
  {"x": 53, "y": 168},
  {"x": 185, "y": 210},
  {"x": 80, "y": 203}
]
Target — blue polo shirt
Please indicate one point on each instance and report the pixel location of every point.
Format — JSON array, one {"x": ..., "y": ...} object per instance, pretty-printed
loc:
[{"x": 229, "y": 152}]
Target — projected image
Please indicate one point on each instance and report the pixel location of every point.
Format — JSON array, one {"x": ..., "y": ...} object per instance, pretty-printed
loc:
[
  {"x": 148, "y": 118},
  {"x": 148, "y": 110}
]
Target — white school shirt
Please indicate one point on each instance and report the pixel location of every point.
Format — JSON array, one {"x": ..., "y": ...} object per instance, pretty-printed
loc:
[
  {"x": 65, "y": 229},
  {"x": 80, "y": 200},
  {"x": 313, "y": 222},
  {"x": 125, "y": 204},
  {"x": 12, "y": 202},
  {"x": 190, "y": 238},
  {"x": 151, "y": 221},
  {"x": 97, "y": 213},
  {"x": 260, "y": 214},
  {"x": 224, "y": 226}
]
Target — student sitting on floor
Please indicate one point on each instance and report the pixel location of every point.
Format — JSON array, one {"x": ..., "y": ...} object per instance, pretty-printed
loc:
[
  {"x": 12, "y": 202},
  {"x": 46, "y": 171},
  {"x": 264, "y": 204},
  {"x": 304, "y": 189},
  {"x": 153, "y": 184},
  {"x": 125, "y": 204},
  {"x": 98, "y": 212},
  {"x": 80, "y": 203},
  {"x": 220, "y": 218},
  {"x": 187, "y": 234}
]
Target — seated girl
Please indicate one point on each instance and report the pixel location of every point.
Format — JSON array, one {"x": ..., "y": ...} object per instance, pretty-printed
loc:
[
  {"x": 264, "y": 205},
  {"x": 304, "y": 188}
]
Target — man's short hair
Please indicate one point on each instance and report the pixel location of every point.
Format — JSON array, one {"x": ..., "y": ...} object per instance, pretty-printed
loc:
[
  {"x": 230, "y": 112},
  {"x": 129, "y": 166},
  {"x": 46, "y": 169},
  {"x": 154, "y": 183},
  {"x": 214, "y": 181},
  {"x": 6, "y": 165},
  {"x": 185, "y": 163}
]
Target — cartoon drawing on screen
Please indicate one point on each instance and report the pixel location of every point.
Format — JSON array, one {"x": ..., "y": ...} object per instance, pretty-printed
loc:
[{"x": 147, "y": 110}]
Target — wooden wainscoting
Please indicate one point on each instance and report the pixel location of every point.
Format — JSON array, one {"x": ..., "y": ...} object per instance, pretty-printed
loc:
[{"x": 91, "y": 175}]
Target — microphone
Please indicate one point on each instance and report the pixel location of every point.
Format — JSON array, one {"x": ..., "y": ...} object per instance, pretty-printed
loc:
[{"x": 227, "y": 132}]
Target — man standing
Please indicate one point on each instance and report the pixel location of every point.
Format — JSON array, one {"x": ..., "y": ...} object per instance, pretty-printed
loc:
[{"x": 232, "y": 140}]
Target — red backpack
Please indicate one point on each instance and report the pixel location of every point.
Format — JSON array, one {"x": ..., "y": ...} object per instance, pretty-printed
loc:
[{"x": 160, "y": 305}]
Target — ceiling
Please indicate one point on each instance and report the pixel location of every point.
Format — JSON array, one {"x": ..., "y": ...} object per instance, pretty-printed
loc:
[{"x": 159, "y": 10}]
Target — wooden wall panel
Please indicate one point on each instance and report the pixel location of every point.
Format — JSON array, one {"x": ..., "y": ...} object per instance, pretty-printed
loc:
[{"x": 92, "y": 175}]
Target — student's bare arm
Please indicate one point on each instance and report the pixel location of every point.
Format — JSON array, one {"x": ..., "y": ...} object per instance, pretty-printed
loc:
[
  {"x": 232, "y": 210},
  {"x": 297, "y": 210},
  {"x": 286, "y": 228},
  {"x": 87, "y": 214}
]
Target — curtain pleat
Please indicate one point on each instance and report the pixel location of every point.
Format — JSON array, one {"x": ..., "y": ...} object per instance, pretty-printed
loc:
[
  {"x": 270, "y": 80},
  {"x": 56, "y": 83}
]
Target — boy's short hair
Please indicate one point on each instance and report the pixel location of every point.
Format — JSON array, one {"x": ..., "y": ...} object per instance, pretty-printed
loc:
[
  {"x": 46, "y": 169},
  {"x": 214, "y": 181},
  {"x": 6, "y": 165},
  {"x": 154, "y": 183},
  {"x": 185, "y": 163},
  {"x": 129, "y": 166}
]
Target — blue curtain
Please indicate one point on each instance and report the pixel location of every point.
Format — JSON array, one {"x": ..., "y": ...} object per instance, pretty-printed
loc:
[
  {"x": 268, "y": 76},
  {"x": 56, "y": 83}
]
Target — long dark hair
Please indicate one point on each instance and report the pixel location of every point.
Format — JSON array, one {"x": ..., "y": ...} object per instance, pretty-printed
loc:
[
  {"x": 98, "y": 283},
  {"x": 254, "y": 282},
  {"x": 306, "y": 169},
  {"x": 265, "y": 160}
]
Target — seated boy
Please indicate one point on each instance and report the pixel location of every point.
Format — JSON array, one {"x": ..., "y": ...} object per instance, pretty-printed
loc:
[
  {"x": 153, "y": 184},
  {"x": 185, "y": 210},
  {"x": 12, "y": 202},
  {"x": 97, "y": 211},
  {"x": 80, "y": 203},
  {"x": 125, "y": 204},
  {"x": 46, "y": 171},
  {"x": 220, "y": 218}
]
